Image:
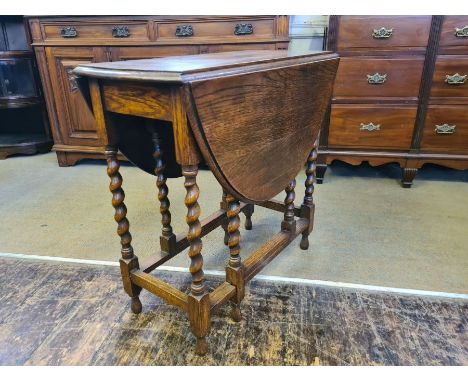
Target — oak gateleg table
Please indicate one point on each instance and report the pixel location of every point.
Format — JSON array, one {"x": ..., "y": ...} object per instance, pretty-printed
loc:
[{"x": 253, "y": 117}]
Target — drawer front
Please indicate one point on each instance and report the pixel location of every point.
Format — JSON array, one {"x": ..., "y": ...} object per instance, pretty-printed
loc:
[
  {"x": 96, "y": 31},
  {"x": 446, "y": 129},
  {"x": 454, "y": 32},
  {"x": 378, "y": 127},
  {"x": 216, "y": 30},
  {"x": 445, "y": 82},
  {"x": 378, "y": 77},
  {"x": 383, "y": 31}
]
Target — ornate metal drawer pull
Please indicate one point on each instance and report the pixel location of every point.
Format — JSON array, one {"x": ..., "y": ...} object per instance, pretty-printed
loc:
[
  {"x": 445, "y": 129},
  {"x": 461, "y": 32},
  {"x": 120, "y": 32},
  {"x": 69, "y": 32},
  {"x": 376, "y": 79},
  {"x": 382, "y": 33},
  {"x": 369, "y": 127},
  {"x": 241, "y": 29},
  {"x": 184, "y": 31},
  {"x": 455, "y": 79}
]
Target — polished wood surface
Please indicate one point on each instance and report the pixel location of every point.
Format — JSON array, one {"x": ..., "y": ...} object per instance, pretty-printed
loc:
[
  {"x": 63, "y": 42},
  {"x": 408, "y": 31},
  {"x": 450, "y": 65},
  {"x": 395, "y": 126},
  {"x": 455, "y": 140},
  {"x": 417, "y": 53},
  {"x": 402, "y": 78},
  {"x": 217, "y": 107}
]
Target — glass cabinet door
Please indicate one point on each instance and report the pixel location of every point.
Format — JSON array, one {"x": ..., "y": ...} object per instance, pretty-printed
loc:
[{"x": 17, "y": 78}]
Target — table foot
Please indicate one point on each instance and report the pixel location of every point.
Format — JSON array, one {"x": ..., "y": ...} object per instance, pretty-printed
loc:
[
  {"x": 136, "y": 305},
  {"x": 201, "y": 347},
  {"x": 236, "y": 314},
  {"x": 248, "y": 212},
  {"x": 304, "y": 242}
]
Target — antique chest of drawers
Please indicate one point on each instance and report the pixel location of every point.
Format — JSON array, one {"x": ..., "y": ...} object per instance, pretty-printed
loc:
[
  {"x": 400, "y": 94},
  {"x": 62, "y": 43}
]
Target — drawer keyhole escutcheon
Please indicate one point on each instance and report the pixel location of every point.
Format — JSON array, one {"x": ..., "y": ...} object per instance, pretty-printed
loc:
[
  {"x": 369, "y": 127},
  {"x": 68, "y": 32},
  {"x": 455, "y": 79},
  {"x": 184, "y": 31},
  {"x": 382, "y": 33},
  {"x": 445, "y": 129},
  {"x": 461, "y": 32},
  {"x": 120, "y": 32},
  {"x": 376, "y": 79}
]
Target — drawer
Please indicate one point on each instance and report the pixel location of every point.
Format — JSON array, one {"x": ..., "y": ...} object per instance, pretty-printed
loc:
[
  {"x": 217, "y": 30},
  {"x": 446, "y": 129},
  {"x": 96, "y": 31},
  {"x": 376, "y": 126},
  {"x": 454, "y": 32},
  {"x": 383, "y": 31},
  {"x": 389, "y": 77},
  {"x": 452, "y": 86}
]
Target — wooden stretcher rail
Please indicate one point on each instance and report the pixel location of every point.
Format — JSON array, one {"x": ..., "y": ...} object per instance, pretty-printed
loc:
[
  {"x": 161, "y": 289},
  {"x": 277, "y": 205},
  {"x": 262, "y": 256},
  {"x": 208, "y": 224},
  {"x": 221, "y": 294}
]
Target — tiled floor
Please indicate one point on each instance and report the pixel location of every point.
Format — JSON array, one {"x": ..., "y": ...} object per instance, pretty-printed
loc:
[{"x": 61, "y": 314}]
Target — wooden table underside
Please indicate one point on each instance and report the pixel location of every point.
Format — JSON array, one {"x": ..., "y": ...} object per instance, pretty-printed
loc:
[{"x": 132, "y": 114}]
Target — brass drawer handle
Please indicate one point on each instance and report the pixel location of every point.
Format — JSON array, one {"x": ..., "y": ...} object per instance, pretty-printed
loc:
[
  {"x": 382, "y": 33},
  {"x": 69, "y": 32},
  {"x": 445, "y": 129},
  {"x": 376, "y": 79},
  {"x": 184, "y": 31},
  {"x": 369, "y": 127},
  {"x": 242, "y": 29},
  {"x": 120, "y": 32},
  {"x": 455, "y": 79},
  {"x": 461, "y": 32}
]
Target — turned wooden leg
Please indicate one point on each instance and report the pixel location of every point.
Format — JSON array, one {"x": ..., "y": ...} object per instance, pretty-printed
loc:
[
  {"x": 224, "y": 224},
  {"x": 129, "y": 261},
  {"x": 408, "y": 175},
  {"x": 320, "y": 165},
  {"x": 308, "y": 206},
  {"x": 198, "y": 299},
  {"x": 288, "y": 223},
  {"x": 168, "y": 238},
  {"x": 234, "y": 269},
  {"x": 248, "y": 212}
]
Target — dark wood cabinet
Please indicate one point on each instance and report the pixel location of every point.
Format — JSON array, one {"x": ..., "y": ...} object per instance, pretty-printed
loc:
[
  {"x": 24, "y": 127},
  {"x": 62, "y": 43},
  {"x": 401, "y": 93}
]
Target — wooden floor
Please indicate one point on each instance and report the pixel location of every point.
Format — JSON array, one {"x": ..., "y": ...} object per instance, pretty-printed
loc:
[{"x": 62, "y": 314}]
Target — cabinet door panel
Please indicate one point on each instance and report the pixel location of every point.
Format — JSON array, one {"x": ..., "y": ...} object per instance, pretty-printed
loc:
[
  {"x": 142, "y": 52},
  {"x": 76, "y": 121}
]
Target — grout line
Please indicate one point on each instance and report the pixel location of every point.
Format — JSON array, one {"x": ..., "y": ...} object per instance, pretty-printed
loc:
[{"x": 333, "y": 284}]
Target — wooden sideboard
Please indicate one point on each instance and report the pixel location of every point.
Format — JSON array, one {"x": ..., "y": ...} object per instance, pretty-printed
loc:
[
  {"x": 400, "y": 94},
  {"x": 62, "y": 43}
]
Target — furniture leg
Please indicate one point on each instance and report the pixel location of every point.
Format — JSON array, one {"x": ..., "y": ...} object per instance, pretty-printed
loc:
[
  {"x": 129, "y": 261},
  {"x": 288, "y": 223},
  {"x": 234, "y": 269},
  {"x": 308, "y": 206},
  {"x": 224, "y": 206},
  {"x": 408, "y": 175},
  {"x": 248, "y": 212},
  {"x": 198, "y": 299},
  {"x": 168, "y": 238},
  {"x": 320, "y": 165}
]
